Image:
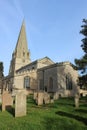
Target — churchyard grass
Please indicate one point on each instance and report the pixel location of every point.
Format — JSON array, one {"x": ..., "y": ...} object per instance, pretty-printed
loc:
[{"x": 61, "y": 115}]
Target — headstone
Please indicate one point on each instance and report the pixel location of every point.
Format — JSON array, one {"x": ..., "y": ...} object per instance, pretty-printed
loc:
[
  {"x": 46, "y": 98},
  {"x": 77, "y": 100},
  {"x": 35, "y": 95},
  {"x": 40, "y": 98},
  {"x": 51, "y": 101},
  {"x": 56, "y": 95},
  {"x": 0, "y": 99},
  {"x": 43, "y": 98},
  {"x": 7, "y": 100},
  {"x": 20, "y": 104}
]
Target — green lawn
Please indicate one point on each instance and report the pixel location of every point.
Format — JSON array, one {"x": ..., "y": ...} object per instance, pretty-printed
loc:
[{"x": 61, "y": 115}]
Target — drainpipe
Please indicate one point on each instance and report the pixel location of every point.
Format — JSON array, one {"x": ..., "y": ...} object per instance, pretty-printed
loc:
[{"x": 43, "y": 81}]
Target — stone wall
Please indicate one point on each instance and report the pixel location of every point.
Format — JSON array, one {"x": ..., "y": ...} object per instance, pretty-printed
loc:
[
  {"x": 19, "y": 79},
  {"x": 62, "y": 71},
  {"x": 45, "y": 75},
  {"x": 58, "y": 73},
  {"x": 50, "y": 73}
]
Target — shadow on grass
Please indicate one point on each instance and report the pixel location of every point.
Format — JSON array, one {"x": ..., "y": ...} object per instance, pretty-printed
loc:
[
  {"x": 79, "y": 118},
  {"x": 67, "y": 104},
  {"x": 11, "y": 110},
  {"x": 81, "y": 110},
  {"x": 50, "y": 123},
  {"x": 0, "y": 107},
  {"x": 83, "y": 105}
]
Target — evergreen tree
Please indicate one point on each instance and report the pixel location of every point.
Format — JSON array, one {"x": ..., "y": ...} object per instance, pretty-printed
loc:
[
  {"x": 1, "y": 67},
  {"x": 81, "y": 63},
  {"x": 1, "y": 75}
]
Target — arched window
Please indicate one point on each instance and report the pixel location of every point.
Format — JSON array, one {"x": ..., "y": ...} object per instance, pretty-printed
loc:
[
  {"x": 41, "y": 84},
  {"x": 27, "y": 54},
  {"x": 26, "y": 82},
  {"x": 69, "y": 82},
  {"x": 50, "y": 83},
  {"x": 23, "y": 54}
]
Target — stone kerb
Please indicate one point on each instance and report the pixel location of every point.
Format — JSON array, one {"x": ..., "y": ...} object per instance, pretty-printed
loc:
[
  {"x": 20, "y": 103},
  {"x": 7, "y": 100}
]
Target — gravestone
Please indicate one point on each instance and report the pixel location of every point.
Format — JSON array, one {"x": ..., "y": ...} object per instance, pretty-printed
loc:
[
  {"x": 7, "y": 100},
  {"x": 35, "y": 95},
  {"x": 0, "y": 99},
  {"x": 77, "y": 100},
  {"x": 46, "y": 98},
  {"x": 39, "y": 99},
  {"x": 56, "y": 95},
  {"x": 43, "y": 98},
  {"x": 20, "y": 104}
]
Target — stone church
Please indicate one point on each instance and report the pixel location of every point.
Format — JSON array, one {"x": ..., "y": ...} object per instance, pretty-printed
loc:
[{"x": 41, "y": 74}]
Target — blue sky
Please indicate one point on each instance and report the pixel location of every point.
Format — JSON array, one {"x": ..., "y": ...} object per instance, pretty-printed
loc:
[{"x": 52, "y": 28}]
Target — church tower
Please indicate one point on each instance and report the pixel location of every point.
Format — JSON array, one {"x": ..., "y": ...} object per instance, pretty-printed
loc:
[{"x": 21, "y": 54}]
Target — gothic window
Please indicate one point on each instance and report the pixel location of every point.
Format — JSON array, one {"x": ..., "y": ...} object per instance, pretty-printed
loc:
[
  {"x": 23, "y": 54},
  {"x": 66, "y": 82},
  {"x": 41, "y": 84},
  {"x": 51, "y": 83},
  {"x": 33, "y": 68},
  {"x": 26, "y": 82},
  {"x": 45, "y": 88},
  {"x": 27, "y": 54},
  {"x": 69, "y": 84}
]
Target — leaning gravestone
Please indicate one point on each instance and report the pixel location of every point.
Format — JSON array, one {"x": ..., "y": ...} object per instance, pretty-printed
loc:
[
  {"x": 20, "y": 104},
  {"x": 7, "y": 100}
]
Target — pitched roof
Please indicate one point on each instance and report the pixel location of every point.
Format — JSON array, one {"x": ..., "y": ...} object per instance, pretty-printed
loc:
[{"x": 34, "y": 62}]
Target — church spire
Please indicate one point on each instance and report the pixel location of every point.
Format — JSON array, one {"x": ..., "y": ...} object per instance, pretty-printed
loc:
[
  {"x": 21, "y": 55},
  {"x": 21, "y": 45}
]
